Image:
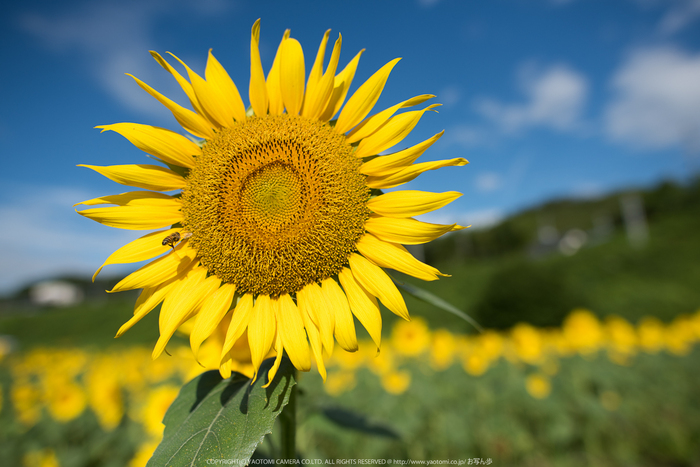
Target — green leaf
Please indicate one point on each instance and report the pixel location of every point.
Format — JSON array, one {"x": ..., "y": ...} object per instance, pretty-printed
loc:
[
  {"x": 358, "y": 422},
  {"x": 213, "y": 418},
  {"x": 427, "y": 297}
]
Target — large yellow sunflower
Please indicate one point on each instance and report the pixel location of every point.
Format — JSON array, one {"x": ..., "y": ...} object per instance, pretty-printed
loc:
[{"x": 277, "y": 231}]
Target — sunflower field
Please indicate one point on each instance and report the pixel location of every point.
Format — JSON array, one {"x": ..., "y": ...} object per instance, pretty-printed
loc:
[{"x": 590, "y": 392}]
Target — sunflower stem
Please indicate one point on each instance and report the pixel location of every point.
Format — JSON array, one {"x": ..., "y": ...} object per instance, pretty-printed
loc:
[{"x": 288, "y": 421}]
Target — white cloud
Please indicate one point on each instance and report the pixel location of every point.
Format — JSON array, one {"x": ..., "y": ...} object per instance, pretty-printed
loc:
[
  {"x": 115, "y": 39},
  {"x": 481, "y": 219},
  {"x": 656, "y": 100},
  {"x": 488, "y": 181},
  {"x": 45, "y": 237},
  {"x": 466, "y": 136},
  {"x": 450, "y": 96},
  {"x": 555, "y": 98},
  {"x": 680, "y": 16}
]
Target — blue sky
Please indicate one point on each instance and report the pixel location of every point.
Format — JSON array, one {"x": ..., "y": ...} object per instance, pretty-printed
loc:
[{"x": 545, "y": 98}]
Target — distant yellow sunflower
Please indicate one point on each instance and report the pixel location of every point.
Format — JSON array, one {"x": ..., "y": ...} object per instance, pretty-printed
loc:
[{"x": 279, "y": 226}]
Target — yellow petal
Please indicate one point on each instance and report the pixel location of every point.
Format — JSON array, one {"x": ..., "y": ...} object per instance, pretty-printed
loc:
[
  {"x": 406, "y": 231},
  {"x": 316, "y": 72},
  {"x": 184, "y": 84},
  {"x": 361, "y": 103},
  {"x": 293, "y": 76},
  {"x": 378, "y": 283},
  {"x": 149, "y": 177},
  {"x": 262, "y": 329},
  {"x": 183, "y": 290},
  {"x": 160, "y": 270},
  {"x": 274, "y": 89},
  {"x": 276, "y": 365},
  {"x": 314, "y": 339},
  {"x": 392, "y": 163},
  {"x": 136, "y": 198},
  {"x": 135, "y": 217},
  {"x": 182, "y": 307},
  {"x": 391, "y": 133},
  {"x": 148, "y": 299},
  {"x": 239, "y": 322},
  {"x": 190, "y": 121},
  {"x": 312, "y": 302},
  {"x": 224, "y": 90},
  {"x": 257, "y": 91},
  {"x": 290, "y": 327},
  {"x": 409, "y": 203},
  {"x": 317, "y": 98},
  {"x": 341, "y": 85},
  {"x": 344, "y": 330},
  {"x": 147, "y": 247},
  {"x": 409, "y": 173},
  {"x": 394, "y": 256},
  {"x": 213, "y": 311},
  {"x": 363, "y": 305},
  {"x": 166, "y": 145},
  {"x": 372, "y": 124}
]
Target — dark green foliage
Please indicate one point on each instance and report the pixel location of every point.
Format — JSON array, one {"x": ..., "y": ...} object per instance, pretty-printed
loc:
[
  {"x": 533, "y": 292},
  {"x": 217, "y": 419}
]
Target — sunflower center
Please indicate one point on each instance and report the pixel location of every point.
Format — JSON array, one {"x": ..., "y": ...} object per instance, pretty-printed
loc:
[{"x": 275, "y": 203}]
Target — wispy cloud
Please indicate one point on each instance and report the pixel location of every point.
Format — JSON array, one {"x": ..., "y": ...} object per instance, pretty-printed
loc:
[
  {"x": 656, "y": 100},
  {"x": 45, "y": 237},
  {"x": 479, "y": 219},
  {"x": 680, "y": 16},
  {"x": 487, "y": 182},
  {"x": 554, "y": 98},
  {"x": 114, "y": 38}
]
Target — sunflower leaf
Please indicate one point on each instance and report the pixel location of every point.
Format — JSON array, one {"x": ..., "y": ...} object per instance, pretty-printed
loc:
[
  {"x": 427, "y": 297},
  {"x": 215, "y": 418}
]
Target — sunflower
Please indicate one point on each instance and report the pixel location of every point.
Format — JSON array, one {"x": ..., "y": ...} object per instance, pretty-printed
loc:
[{"x": 279, "y": 231}]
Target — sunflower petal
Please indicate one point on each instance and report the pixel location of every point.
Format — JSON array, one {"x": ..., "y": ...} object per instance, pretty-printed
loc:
[
  {"x": 341, "y": 85},
  {"x": 409, "y": 203},
  {"x": 272, "y": 372},
  {"x": 290, "y": 327},
  {"x": 391, "y": 133},
  {"x": 148, "y": 299},
  {"x": 135, "y": 198},
  {"x": 292, "y": 69},
  {"x": 394, "y": 256},
  {"x": 190, "y": 121},
  {"x": 274, "y": 87},
  {"x": 312, "y": 302},
  {"x": 149, "y": 177},
  {"x": 361, "y": 103},
  {"x": 147, "y": 247},
  {"x": 317, "y": 99},
  {"x": 406, "y": 231},
  {"x": 392, "y": 163},
  {"x": 371, "y": 124},
  {"x": 412, "y": 171},
  {"x": 159, "y": 270},
  {"x": 184, "y": 84},
  {"x": 262, "y": 329},
  {"x": 224, "y": 90},
  {"x": 213, "y": 310},
  {"x": 183, "y": 306},
  {"x": 344, "y": 330},
  {"x": 314, "y": 339},
  {"x": 378, "y": 283},
  {"x": 257, "y": 91},
  {"x": 363, "y": 305},
  {"x": 135, "y": 217},
  {"x": 316, "y": 73},
  {"x": 239, "y": 322},
  {"x": 166, "y": 145}
]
